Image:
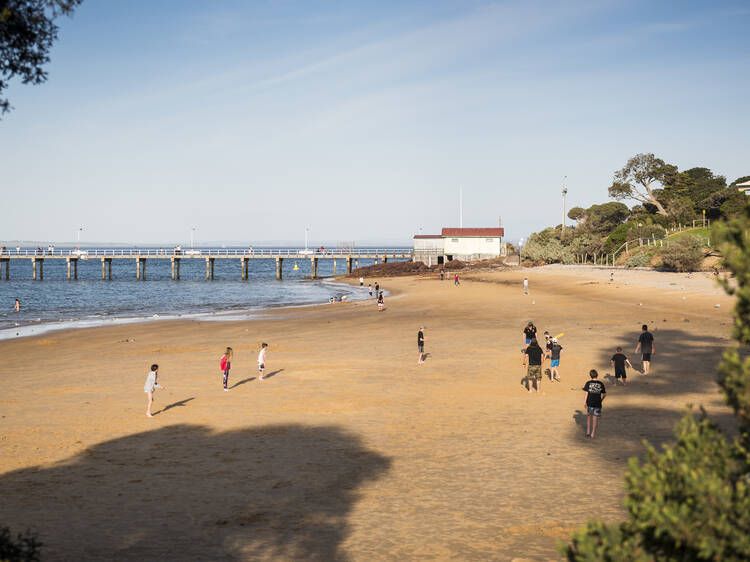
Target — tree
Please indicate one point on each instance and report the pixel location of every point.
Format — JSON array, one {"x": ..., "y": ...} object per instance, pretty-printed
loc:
[
  {"x": 602, "y": 219},
  {"x": 27, "y": 32},
  {"x": 691, "y": 501},
  {"x": 638, "y": 178},
  {"x": 576, "y": 214}
]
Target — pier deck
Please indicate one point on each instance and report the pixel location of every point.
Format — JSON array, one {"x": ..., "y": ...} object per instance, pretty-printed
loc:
[{"x": 140, "y": 256}]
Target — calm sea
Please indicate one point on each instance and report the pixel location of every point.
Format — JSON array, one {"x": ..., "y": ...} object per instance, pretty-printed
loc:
[{"x": 56, "y": 303}]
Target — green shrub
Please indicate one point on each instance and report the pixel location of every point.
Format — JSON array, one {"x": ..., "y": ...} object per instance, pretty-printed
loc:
[
  {"x": 639, "y": 260},
  {"x": 551, "y": 251},
  {"x": 21, "y": 548},
  {"x": 684, "y": 254},
  {"x": 691, "y": 499}
]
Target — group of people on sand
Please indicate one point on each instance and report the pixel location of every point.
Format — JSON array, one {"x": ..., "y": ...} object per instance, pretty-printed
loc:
[
  {"x": 534, "y": 356},
  {"x": 225, "y": 364},
  {"x": 378, "y": 293}
]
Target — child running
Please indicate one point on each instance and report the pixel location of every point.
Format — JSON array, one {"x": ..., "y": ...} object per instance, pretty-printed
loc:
[
  {"x": 151, "y": 384},
  {"x": 619, "y": 360},
  {"x": 225, "y": 363},
  {"x": 262, "y": 360},
  {"x": 595, "y": 395},
  {"x": 369, "y": 288},
  {"x": 381, "y": 302}
]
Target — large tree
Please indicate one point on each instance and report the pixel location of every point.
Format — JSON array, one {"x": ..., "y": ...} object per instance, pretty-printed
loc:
[
  {"x": 638, "y": 179},
  {"x": 27, "y": 32}
]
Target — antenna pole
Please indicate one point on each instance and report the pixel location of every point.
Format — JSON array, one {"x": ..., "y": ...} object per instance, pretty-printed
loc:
[{"x": 461, "y": 207}]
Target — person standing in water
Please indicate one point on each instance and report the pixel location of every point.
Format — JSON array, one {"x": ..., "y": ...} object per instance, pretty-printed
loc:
[
  {"x": 17, "y": 306},
  {"x": 151, "y": 385},
  {"x": 226, "y": 364},
  {"x": 361, "y": 281}
]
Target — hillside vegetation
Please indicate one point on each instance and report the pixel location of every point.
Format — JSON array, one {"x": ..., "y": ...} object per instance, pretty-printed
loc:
[{"x": 667, "y": 200}]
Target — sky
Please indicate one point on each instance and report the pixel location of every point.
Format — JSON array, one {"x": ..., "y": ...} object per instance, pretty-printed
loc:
[{"x": 251, "y": 121}]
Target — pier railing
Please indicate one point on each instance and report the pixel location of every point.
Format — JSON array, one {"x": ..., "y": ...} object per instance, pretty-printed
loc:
[{"x": 204, "y": 252}]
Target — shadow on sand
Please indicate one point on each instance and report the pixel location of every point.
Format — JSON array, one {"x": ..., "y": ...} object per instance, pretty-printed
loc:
[
  {"x": 185, "y": 492},
  {"x": 683, "y": 364},
  {"x": 174, "y": 405}
]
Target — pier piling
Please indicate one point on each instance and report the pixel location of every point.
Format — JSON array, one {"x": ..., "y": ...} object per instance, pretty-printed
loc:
[
  {"x": 314, "y": 268},
  {"x": 348, "y": 265},
  {"x": 279, "y": 265},
  {"x": 244, "y": 268},
  {"x": 209, "y": 268},
  {"x": 108, "y": 263},
  {"x": 40, "y": 275},
  {"x": 74, "y": 261},
  {"x": 175, "y": 268},
  {"x": 7, "y": 268}
]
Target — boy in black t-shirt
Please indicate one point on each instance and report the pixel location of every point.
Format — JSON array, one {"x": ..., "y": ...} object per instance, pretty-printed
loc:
[
  {"x": 534, "y": 353},
  {"x": 529, "y": 333},
  {"x": 595, "y": 394},
  {"x": 647, "y": 347},
  {"x": 618, "y": 362}
]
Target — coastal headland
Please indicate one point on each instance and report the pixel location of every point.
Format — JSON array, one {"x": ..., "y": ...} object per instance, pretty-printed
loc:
[{"x": 349, "y": 449}]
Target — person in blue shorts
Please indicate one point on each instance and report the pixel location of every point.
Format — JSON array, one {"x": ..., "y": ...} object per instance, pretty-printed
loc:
[
  {"x": 555, "y": 349},
  {"x": 529, "y": 333}
]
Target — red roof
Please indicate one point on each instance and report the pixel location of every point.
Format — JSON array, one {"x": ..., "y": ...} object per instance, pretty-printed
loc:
[
  {"x": 482, "y": 232},
  {"x": 428, "y": 236}
]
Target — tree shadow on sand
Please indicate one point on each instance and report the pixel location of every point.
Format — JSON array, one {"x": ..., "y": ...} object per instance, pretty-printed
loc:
[
  {"x": 683, "y": 364},
  {"x": 184, "y": 492}
]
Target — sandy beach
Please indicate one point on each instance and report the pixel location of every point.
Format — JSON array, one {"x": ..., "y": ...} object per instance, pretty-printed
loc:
[{"x": 350, "y": 450}]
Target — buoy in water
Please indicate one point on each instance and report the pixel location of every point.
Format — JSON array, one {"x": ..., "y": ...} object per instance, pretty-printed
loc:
[{"x": 296, "y": 267}]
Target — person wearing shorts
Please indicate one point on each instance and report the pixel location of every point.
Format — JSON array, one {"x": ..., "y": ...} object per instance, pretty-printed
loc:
[
  {"x": 262, "y": 360},
  {"x": 529, "y": 333},
  {"x": 420, "y": 345},
  {"x": 595, "y": 395},
  {"x": 619, "y": 360},
  {"x": 555, "y": 349},
  {"x": 646, "y": 347},
  {"x": 533, "y": 354}
]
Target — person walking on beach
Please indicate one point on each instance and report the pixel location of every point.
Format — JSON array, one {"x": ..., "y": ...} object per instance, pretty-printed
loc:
[
  {"x": 361, "y": 281},
  {"x": 533, "y": 355},
  {"x": 646, "y": 347},
  {"x": 381, "y": 302},
  {"x": 595, "y": 395},
  {"x": 226, "y": 363},
  {"x": 529, "y": 333},
  {"x": 369, "y": 288},
  {"x": 442, "y": 274},
  {"x": 619, "y": 360},
  {"x": 151, "y": 385},
  {"x": 262, "y": 360},
  {"x": 456, "y": 282},
  {"x": 377, "y": 288},
  {"x": 17, "y": 306},
  {"x": 554, "y": 352},
  {"x": 420, "y": 345},
  {"x": 525, "y": 285}
]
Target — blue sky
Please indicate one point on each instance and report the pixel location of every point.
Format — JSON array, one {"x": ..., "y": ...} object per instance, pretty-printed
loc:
[{"x": 253, "y": 120}]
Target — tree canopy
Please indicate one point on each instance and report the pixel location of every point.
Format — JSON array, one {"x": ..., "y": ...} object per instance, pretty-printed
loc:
[
  {"x": 638, "y": 179},
  {"x": 27, "y": 33}
]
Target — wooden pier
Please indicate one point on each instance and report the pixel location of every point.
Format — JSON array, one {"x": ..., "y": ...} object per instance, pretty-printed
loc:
[{"x": 140, "y": 257}]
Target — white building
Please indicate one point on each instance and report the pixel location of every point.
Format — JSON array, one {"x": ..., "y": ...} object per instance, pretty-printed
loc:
[
  {"x": 465, "y": 244},
  {"x": 744, "y": 187}
]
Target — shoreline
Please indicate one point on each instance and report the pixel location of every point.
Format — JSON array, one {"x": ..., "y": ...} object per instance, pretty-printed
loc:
[{"x": 35, "y": 329}]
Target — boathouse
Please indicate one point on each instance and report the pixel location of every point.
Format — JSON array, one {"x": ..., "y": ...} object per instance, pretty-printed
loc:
[{"x": 465, "y": 244}]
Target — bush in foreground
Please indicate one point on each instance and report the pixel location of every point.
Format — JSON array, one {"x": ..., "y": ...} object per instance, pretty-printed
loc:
[
  {"x": 691, "y": 499},
  {"x": 21, "y": 548}
]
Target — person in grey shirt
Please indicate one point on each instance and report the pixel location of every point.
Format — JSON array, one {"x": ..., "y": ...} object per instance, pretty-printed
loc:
[{"x": 152, "y": 384}]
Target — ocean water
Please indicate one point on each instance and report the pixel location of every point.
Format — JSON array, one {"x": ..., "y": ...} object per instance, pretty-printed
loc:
[{"x": 57, "y": 303}]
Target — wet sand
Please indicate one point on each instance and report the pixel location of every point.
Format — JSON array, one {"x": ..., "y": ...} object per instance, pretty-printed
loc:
[{"x": 350, "y": 450}]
